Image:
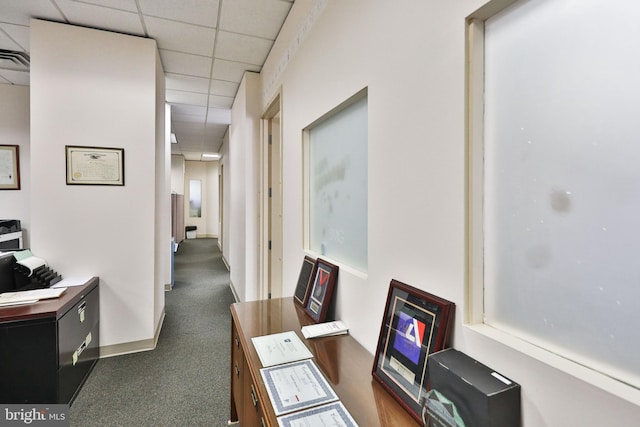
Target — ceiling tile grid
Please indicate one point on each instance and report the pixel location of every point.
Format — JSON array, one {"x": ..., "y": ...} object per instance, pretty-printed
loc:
[{"x": 205, "y": 47}]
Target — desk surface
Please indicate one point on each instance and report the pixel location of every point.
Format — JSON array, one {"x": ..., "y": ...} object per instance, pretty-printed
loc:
[
  {"x": 49, "y": 308},
  {"x": 344, "y": 362}
]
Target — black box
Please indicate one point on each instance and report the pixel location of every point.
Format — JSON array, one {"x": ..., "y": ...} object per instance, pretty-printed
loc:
[{"x": 464, "y": 392}]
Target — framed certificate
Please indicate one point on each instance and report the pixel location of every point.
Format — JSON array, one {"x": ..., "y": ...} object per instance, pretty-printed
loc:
[
  {"x": 415, "y": 324},
  {"x": 9, "y": 167},
  {"x": 301, "y": 295},
  {"x": 323, "y": 281},
  {"x": 94, "y": 165}
]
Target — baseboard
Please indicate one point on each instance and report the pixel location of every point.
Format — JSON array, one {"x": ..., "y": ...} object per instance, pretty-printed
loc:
[
  {"x": 134, "y": 346},
  {"x": 167, "y": 287},
  {"x": 226, "y": 264},
  {"x": 233, "y": 291}
]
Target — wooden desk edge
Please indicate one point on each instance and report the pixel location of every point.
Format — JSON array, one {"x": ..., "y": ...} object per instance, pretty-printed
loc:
[{"x": 49, "y": 308}]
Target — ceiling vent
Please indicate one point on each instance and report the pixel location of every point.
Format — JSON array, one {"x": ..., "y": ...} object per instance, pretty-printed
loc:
[{"x": 14, "y": 60}]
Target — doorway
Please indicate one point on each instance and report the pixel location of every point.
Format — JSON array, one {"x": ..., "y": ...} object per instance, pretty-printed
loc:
[{"x": 272, "y": 203}]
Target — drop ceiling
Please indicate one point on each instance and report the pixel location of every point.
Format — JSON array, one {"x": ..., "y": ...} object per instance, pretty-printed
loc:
[{"x": 205, "y": 47}]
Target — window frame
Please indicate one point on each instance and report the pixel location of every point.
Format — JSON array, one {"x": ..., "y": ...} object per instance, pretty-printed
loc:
[{"x": 473, "y": 316}]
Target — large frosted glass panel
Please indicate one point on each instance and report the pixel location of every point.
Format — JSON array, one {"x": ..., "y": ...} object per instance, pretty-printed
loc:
[
  {"x": 338, "y": 186},
  {"x": 562, "y": 179}
]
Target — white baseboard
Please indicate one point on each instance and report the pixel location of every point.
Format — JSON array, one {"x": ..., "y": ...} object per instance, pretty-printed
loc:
[{"x": 135, "y": 346}]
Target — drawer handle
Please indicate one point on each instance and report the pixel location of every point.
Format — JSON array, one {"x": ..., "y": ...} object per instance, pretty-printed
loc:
[
  {"x": 237, "y": 341},
  {"x": 254, "y": 399},
  {"x": 237, "y": 369},
  {"x": 262, "y": 424}
]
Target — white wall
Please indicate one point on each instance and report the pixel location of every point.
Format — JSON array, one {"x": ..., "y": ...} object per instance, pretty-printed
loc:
[
  {"x": 14, "y": 130},
  {"x": 97, "y": 88},
  {"x": 243, "y": 173},
  {"x": 414, "y": 70},
  {"x": 207, "y": 174},
  {"x": 177, "y": 173}
]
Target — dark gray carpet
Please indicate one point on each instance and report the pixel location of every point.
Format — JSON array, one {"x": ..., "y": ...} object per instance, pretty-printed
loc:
[{"x": 185, "y": 380}]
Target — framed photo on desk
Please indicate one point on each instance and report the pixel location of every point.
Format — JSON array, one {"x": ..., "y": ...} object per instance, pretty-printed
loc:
[{"x": 415, "y": 324}]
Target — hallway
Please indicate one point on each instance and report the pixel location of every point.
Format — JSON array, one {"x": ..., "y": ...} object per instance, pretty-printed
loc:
[{"x": 185, "y": 380}]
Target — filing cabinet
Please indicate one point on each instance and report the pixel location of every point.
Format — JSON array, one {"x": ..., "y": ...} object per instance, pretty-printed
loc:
[{"x": 48, "y": 348}]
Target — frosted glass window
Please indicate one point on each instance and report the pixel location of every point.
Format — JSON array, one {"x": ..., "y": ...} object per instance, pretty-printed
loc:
[
  {"x": 195, "y": 198},
  {"x": 338, "y": 186},
  {"x": 562, "y": 179}
]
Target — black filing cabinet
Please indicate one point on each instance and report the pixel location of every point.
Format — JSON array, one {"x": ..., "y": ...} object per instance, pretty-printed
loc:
[{"x": 48, "y": 349}]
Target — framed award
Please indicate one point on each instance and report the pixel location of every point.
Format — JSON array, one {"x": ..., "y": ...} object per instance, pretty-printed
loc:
[
  {"x": 323, "y": 281},
  {"x": 301, "y": 295},
  {"x": 415, "y": 324}
]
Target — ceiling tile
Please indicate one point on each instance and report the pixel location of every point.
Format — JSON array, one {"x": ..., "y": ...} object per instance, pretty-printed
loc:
[
  {"x": 101, "y": 17},
  {"x": 19, "y": 34},
  {"x": 220, "y": 101},
  {"x": 187, "y": 64},
  {"x": 186, "y": 83},
  {"x": 180, "y": 37},
  {"x": 242, "y": 48},
  {"x": 200, "y": 12},
  {"x": 179, "y": 97},
  {"x": 16, "y": 77},
  {"x": 21, "y": 12},
  {"x": 219, "y": 115},
  {"x": 7, "y": 43},
  {"x": 176, "y": 118},
  {"x": 256, "y": 18},
  {"x": 189, "y": 110},
  {"x": 223, "y": 88},
  {"x": 128, "y": 5},
  {"x": 232, "y": 71}
]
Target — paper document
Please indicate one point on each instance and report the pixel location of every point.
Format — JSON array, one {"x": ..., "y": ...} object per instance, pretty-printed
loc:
[
  {"x": 284, "y": 347},
  {"x": 297, "y": 385},
  {"x": 27, "y": 297},
  {"x": 332, "y": 414},
  {"x": 71, "y": 281},
  {"x": 326, "y": 329}
]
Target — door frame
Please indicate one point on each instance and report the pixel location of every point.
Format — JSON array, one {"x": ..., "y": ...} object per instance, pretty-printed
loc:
[{"x": 267, "y": 289}]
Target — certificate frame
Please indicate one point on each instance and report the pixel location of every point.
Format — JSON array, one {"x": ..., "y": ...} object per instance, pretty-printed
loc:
[
  {"x": 323, "y": 281},
  {"x": 9, "y": 167},
  {"x": 94, "y": 165},
  {"x": 415, "y": 324},
  {"x": 303, "y": 287}
]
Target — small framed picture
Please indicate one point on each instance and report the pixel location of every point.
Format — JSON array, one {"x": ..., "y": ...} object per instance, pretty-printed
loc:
[
  {"x": 94, "y": 165},
  {"x": 323, "y": 281},
  {"x": 9, "y": 167},
  {"x": 303, "y": 288},
  {"x": 415, "y": 324}
]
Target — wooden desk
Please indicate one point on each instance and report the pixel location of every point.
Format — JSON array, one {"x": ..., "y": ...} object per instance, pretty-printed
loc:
[
  {"x": 343, "y": 361},
  {"x": 47, "y": 349}
]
